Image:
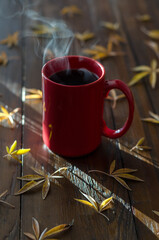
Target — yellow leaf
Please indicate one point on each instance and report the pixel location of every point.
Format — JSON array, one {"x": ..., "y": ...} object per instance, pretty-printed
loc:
[
  {"x": 33, "y": 96},
  {"x": 140, "y": 141},
  {"x": 155, "y": 116},
  {"x": 104, "y": 205},
  {"x": 91, "y": 200},
  {"x": 143, "y": 18},
  {"x": 112, "y": 167},
  {"x": 7, "y": 149},
  {"x": 154, "y": 34},
  {"x": 21, "y": 151},
  {"x": 3, "y": 59},
  {"x": 70, "y": 10},
  {"x": 11, "y": 40},
  {"x": 3, "y": 193},
  {"x": 30, "y": 177},
  {"x": 128, "y": 176},
  {"x": 116, "y": 39},
  {"x": 45, "y": 188},
  {"x": 137, "y": 78},
  {"x": 150, "y": 120},
  {"x": 124, "y": 170},
  {"x": 28, "y": 186},
  {"x": 86, "y": 203},
  {"x": 122, "y": 182},
  {"x": 29, "y": 235},
  {"x": 36, "y": 228},
  {"x": 13, "y": 146},
  {"x": 16, "y": 158},
  {"x": 56, "y": 230},
  {"x": 60, "y": 170},
  {"x": 111, "y": 26},
  {"x": 156, "y": 212},
  {"x": 142, "y": 68},
  {"x": 4, "y": 110},
  {"x": 153, "y": 79},
  {"x": 84, "y": 36},
  {"x": 154, "y": 46}
]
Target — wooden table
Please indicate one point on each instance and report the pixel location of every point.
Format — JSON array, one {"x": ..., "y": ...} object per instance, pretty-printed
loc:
[{"x": 131, "y": 216}]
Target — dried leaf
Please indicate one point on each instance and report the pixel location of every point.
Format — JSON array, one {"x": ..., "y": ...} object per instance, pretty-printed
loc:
[
  {"x": 110, "y": 25},
  {"x": 42, "y": 29},
  {"x": 105, "y": 204},
  {"x": 11, "y": 40},
  {"x": 4, "y": 202},
  {"x": 116, "y": 39},
  {"x": 100, "y": 52},
  {"x": 35, "y": 180},
  {"x": 119, "y": 174},
  {"x": 8, "y": 116},
  {"x": 93, "y": 204},
  {"x": 114, "y": 97},
  {"x": 151, "y": 70},
  {"x": 71, "y": 10},
  {"x": 154, "y": 46},
  {"x": 29, "y": 235},
  {"x": 84, "y": 36},
  {"x": 156, "y": 212},
  {"x": 28, "y": 186},
  {"x": 12, "y": 153},
  {"x": 53, "y": 231},
  {"x": 143, "y": 18},
  {"x": 33, "y": 94},
  {"x": 139, "y": 145},
  {"x": 153, "y": 119},
  {"x": 3, "y": 59},
  {"x": 122, "y": 182},
  {"x": 56, "y": 230},
  {"x": 45, "y": 188},
  {"x": 154, "y": 34},
  {"x": 112, "y": 167},
  {"x": 36, "y": 228}
]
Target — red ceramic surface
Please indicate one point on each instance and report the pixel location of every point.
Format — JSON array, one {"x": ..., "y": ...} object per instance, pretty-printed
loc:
[{"x": 73, "y": 115}]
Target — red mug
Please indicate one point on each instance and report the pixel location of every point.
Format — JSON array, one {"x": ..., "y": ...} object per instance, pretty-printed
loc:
[{"x": 73, "y": 114}]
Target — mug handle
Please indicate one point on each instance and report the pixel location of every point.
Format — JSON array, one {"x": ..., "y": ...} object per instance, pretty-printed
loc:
[{"x": 118, "y": 84}]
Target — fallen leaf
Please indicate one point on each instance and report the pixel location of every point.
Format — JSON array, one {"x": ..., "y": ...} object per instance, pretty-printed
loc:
[
  {"x": 114, "y": 97},
  {"x": 42, "y": 29},
  {"x": 154, "y": 34},
  {"x": 151, "y": 70},
  {"x": 119, "y": 174},
  {"x": 42, "y": 177},
  {"x": 33, "y": 93},
  {"x": 105, "y": 204},
  {"x": 116, "y": 39},
  {"x": 154, "y": 46},
  {"x": 153, "y": 119},
  {"x": 100, "y": 52},
  {"x": 52, "y": 232},
  {"x": 156, "y": 212},
  {"x": 71, "y": 10},
  {"x": 110, "y": 25},
  {"x": 4, "y": 202},
  {"x": 13, "y": 153},
  {"x": 3, "y": 59},
  {"x": 139, "y": 145},
  {"x": 8, "y": 116},
  {"x": 143, "y": 18},
  {"x": 84, "y": 36},
  {"x": 11, "y": 40}
]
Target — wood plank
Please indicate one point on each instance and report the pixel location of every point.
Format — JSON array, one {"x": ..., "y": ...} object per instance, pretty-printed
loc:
[{"x": 10, "y": 88}]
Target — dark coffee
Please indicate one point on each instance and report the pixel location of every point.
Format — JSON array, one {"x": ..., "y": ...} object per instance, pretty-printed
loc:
[{"x": 79, "y": 76}]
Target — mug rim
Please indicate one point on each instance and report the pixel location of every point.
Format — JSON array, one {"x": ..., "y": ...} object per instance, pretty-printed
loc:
[{"x": 75, "y": 86}]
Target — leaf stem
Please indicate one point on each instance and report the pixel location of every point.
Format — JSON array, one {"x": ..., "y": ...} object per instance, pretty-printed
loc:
[
  {"x": 104, "y": 216},
  {"x": 99, "y": 172}
]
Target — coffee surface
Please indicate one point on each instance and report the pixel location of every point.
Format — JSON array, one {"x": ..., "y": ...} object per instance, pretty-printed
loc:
[{"x": 74, "y": 77}]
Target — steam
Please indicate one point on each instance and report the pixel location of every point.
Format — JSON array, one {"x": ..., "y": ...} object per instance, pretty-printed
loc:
[{"x": 57, "y": 43}]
